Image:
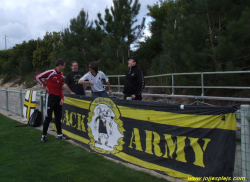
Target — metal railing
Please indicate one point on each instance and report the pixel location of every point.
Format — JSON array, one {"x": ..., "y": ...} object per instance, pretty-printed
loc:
[
  {"x": 202, "y": 86},
  {"x": 13, "y": 100},
  {"x": 245, "y": 141}
]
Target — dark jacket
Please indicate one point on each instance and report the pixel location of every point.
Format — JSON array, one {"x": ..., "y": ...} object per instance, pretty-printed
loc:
[
  {"x": 134, "y": 81},
  {"x": 72, "y": 79}
]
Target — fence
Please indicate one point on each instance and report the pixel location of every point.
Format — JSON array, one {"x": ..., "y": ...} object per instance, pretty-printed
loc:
[
  {"x": 199, "y": 76},
  {"x": 13, "y": 100}
]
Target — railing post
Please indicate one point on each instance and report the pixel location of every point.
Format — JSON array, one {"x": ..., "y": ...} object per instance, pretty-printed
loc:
[
  {"x": 119, "y": 89},
  {"x": 172, "y": 84},
  {"x": 245, "y": 141},
  {"x": 21, "y": 101},
  {"x": 41, "y": 104},
  {"x": 202, "y": 85},
  {"x": 7, "y": 99}
]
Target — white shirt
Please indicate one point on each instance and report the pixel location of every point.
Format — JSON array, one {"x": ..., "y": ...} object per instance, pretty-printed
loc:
[{"x": 98, "y": 85}]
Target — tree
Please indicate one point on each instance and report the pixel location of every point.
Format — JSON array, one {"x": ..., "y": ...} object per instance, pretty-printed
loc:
[
  {"x": 152, "y": 46},
  {"x": 4, "y": 57},
  {"x": 194, "y": 35},
  {"x": 121, "y": 30},
  {"x": 81, "y": 40},
  {"x": 199, "y": 36},
  {"x": 25, "y": 66},
  {"x": 43, "y": 55}
]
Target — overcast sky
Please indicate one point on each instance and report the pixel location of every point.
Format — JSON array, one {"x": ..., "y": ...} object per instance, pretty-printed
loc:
[{"x": 23, "y": 20}]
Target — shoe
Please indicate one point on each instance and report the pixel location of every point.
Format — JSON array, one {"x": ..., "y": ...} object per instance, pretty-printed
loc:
[
  {"x": 63, "y": 137},
  {"x": 43, "y": 139}
]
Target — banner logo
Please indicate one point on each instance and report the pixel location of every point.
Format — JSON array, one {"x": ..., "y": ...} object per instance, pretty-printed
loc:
[
  {"x": 105, "y": 127},
  {"x": 29, "y": 104}
]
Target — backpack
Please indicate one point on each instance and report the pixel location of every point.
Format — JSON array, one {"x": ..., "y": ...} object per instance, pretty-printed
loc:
[{"x": 35, "y": 119}]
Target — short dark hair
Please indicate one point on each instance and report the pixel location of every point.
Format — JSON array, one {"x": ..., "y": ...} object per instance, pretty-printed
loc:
[
  {"x": 94, "y": 65},
  {"x": 60, "y": 61},
  {"x": 135, "y": 59},
  {"x": 73, "y": 62}
]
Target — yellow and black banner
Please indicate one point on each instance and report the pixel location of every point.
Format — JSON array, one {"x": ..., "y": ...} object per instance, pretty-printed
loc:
[
  {"x": 29, "y": 104},
  {"x": 179, "y": 140}
]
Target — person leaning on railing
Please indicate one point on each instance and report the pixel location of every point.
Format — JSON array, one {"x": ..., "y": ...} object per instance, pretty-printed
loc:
[
  {"x": 94, "y": 78},
  {"x": 134, "y": 80},
  {"x": 72, "y": 78}
]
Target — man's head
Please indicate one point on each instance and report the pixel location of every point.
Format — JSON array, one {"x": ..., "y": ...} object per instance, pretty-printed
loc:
[
  {"x": 74, "y": 66},
  {"x": 132, "y": 61},
  {"x": 93, "y": 66},
  {"x": 60, "y": 64}
]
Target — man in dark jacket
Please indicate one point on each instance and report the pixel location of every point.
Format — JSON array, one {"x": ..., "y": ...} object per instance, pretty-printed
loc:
[
  {"x": 134, "y": 80},
  {"x": 72, "y": 78}
]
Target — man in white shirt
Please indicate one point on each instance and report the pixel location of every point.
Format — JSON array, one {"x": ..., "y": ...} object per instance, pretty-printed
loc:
[{"x": 94, "y": 78}]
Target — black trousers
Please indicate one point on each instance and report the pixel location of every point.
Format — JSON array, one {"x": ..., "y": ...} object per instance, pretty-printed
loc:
[{"x": 52, "y": 103}]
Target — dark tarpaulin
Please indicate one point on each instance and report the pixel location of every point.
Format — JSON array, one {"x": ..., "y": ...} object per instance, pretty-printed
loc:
[{"x": 179, "y": 140}]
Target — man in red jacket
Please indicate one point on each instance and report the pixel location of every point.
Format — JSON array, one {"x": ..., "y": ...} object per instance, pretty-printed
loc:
[{"x": 54, "y": 97}]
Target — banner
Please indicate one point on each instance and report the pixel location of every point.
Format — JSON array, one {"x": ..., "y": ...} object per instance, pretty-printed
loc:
[
  {"x": 29, "y": 104},
  {"x": 179, "y": 140}
]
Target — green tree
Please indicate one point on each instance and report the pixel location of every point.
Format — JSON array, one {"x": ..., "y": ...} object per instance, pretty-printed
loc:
[
  {"x": 151, "y": 47},
  {"x": 81, "y": 40},
  {"x": 12, "y": 58},
  {"x": 25, "y": 66},
  {"x": 121, "y": 30},
  {"x": 194, "y": 35},
  {"x": 43, "y": 56},
  {"x": 235, "y": 43},
  {"x": 4, "y": 57},
  {"x": 199, "y": 36}
]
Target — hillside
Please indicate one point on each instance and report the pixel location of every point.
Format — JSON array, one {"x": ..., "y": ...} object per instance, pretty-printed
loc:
[{"x": 14, "y": 85}]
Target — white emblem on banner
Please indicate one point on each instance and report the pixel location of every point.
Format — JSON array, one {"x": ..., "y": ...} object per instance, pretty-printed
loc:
[{"x": 106, "y": 132}]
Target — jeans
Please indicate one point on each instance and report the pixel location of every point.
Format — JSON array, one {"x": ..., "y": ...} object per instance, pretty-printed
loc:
[{"x": 100, "y": 94}]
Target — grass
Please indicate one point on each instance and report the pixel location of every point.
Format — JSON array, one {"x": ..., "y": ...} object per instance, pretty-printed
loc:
[{"x": 24, "y": 158}]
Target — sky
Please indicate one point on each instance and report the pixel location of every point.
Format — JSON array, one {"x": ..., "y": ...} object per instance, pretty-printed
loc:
[{"x": 23, "y": 20}]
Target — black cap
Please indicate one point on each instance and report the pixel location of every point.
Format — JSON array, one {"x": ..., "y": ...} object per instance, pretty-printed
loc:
[{"x": 135, "y": 59}]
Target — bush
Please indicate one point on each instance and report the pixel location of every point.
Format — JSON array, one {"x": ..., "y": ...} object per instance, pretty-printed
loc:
[
  {"x": 25, "y": 66},
  {"x": 28, "y": 80}
]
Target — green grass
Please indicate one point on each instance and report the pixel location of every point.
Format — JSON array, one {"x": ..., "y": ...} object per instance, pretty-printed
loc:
[{"x": 24, "y": 158}]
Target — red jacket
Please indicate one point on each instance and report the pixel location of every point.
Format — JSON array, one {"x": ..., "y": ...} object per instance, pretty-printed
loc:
[{"x": 54, "y": 82}]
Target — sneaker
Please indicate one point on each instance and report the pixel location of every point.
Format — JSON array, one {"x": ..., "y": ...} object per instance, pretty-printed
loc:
[
  {"x": 63, "y": 137},
  {"x": 43, "y": 139}
]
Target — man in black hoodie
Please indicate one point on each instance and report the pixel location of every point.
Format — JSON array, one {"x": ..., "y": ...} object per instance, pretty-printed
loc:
[{"x": 134, "y": 80}]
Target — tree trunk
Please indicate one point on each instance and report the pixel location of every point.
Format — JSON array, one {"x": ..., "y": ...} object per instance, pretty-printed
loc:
[{"x": 211, "y": 37}]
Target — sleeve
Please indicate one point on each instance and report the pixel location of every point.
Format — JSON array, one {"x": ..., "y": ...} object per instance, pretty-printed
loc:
[
  {"x": 105, "y": 77},
  {"x": 140, "y": 81},
  {"x": 39, "y": 77},
  {"x": 62, "y": 95},
  {"x": 85, "y": 78}
]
